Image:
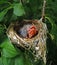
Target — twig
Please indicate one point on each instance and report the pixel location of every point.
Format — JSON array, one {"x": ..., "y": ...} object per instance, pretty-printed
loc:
[
  {"x": 20, "y": 1},
  {"x": 43, "y": 10}
]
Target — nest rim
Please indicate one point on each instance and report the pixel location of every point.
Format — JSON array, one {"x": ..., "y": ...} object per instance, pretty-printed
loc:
[{"x": 18, "y": 25}]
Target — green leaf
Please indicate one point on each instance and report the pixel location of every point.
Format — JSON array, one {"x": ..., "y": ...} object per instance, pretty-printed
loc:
[
  {"x": 19, "y": 60},
  {"x": 3, "y": 13},
  {"x": 2, "y": 2},
  {"x": 14, "y": 17},
  {"x": 22, "y": 60},
  {"x": 5, "y": 2},
  {"x": 49, "y": 20},
  {"x": 1, "y": 63},
  {"x": 7, "y": 61},
  {"x": 8, "y": 49},
  {"x": 18, "y": 9},
  {"x": 2, "y": 31},
  {"x": 53, "y": 31},
  {"x": 28, "y": 62}
]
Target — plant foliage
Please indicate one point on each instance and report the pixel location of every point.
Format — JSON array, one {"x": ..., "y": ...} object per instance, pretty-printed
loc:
[{"x": 12, "y": 10}]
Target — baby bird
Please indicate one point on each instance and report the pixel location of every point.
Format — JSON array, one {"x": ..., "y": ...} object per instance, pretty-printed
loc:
[{"x": 28, "y": 31}]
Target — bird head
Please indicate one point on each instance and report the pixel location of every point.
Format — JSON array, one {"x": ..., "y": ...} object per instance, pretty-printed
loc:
[{"x": 32, "y": 31}]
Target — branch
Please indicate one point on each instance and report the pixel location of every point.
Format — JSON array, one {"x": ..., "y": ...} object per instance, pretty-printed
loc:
[{"x": 43, "y": 10}]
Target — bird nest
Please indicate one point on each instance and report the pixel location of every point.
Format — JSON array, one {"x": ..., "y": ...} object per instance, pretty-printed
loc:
[{"x": 37, "y": 43}]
